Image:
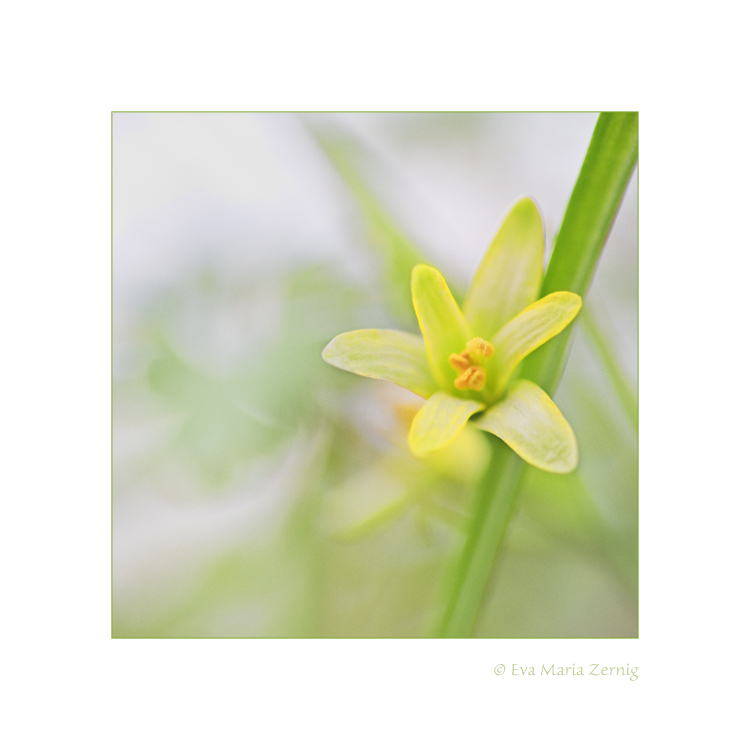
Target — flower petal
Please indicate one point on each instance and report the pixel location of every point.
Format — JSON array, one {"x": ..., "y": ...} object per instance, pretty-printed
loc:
[
  {"x": 528, "y": 421},
  {"x": 511, "y": 273},
  {"x": 385, "y": 355},
  {"x": 528, "y": 331},
  {"x": 443, "y": 325},
  {"x": 439, "y": 421}
]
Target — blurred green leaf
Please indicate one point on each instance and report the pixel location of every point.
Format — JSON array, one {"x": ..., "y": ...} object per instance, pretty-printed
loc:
[
  {"x": 608, "y": 359},
  {"x": 216, "y": 434},
  {"x": 274, "y": 387},
  {"x": 397, "y": 253},
  {"x": 562, "y": 504}
]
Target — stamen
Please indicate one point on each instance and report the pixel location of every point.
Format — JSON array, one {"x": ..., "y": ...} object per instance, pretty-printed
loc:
[
  {"x": 473, "y": 377},
  {"x": 467, "y": 364},
  {"x": 459, "y": 362},
  {"x": 481, "y": 347}
]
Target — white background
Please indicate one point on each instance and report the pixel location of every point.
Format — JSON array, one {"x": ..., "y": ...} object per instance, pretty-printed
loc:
[{"x": 66, "y": 67}]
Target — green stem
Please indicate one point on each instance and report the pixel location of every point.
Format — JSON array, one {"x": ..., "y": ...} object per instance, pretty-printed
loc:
[
  {"x": 493, "y": 508},
  {"x": 596, "y": 197}
]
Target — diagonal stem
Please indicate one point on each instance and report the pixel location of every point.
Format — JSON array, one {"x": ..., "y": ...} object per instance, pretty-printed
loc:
[{"x": 493, "y": 509}]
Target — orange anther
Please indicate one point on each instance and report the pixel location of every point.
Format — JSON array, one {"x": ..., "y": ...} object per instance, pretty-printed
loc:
[
  {"x": 459, "y": 362},
  {"x": 481, "y": 347},
  {"x": 473, "y": 377},
  {"x": 470, "y": 373}
]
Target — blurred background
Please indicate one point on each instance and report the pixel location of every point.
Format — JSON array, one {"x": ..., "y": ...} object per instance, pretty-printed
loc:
[{"x": 258, "y": 491}]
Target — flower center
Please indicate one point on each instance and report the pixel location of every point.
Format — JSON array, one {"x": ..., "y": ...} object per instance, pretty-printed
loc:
[{"x": 468, "y": 365}]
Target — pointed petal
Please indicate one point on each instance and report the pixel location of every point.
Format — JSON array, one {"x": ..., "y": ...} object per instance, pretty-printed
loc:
[
  {"x": 528, "y": 421},
  {"x": 528, "y": 331},
  {"x": 443, "y": 325},
  {"x": 510, "y": 275},
  {"x": 439, "y": 421},
  {"x": 385, "y": 355}
]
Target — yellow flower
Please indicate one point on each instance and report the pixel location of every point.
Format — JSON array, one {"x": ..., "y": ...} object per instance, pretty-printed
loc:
[{"x": 465, "y": 363}]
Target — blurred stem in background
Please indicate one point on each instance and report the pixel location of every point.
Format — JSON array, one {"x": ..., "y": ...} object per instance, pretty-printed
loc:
[
  {"x": 605, "y": 354},
  {"x": 396, "y": 252},
  {"x": 591, "y": 211}
]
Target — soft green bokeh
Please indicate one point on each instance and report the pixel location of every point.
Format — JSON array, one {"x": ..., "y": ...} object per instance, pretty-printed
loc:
[{"x": 340, "y": 531}]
